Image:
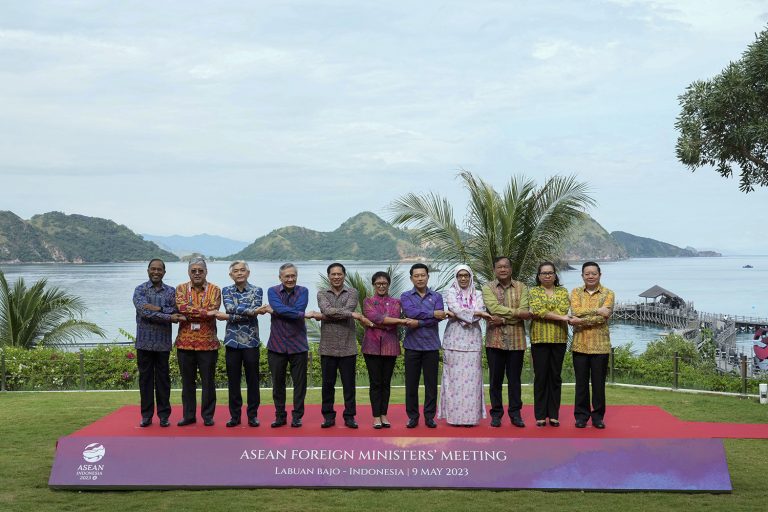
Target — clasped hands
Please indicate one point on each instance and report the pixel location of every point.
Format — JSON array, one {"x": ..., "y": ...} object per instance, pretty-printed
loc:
[
  {"x": 175, "y": 317},
  {"x": 261, "y": 310}
]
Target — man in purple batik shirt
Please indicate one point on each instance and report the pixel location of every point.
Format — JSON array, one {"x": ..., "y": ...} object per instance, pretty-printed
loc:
[{"x": 423, "y": 310}]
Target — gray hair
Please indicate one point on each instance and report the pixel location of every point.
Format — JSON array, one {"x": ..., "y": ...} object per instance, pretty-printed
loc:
[
  {"x": 239, "y": 262},
  {"x": 198, "y": 260},
  {"x": 286, "y": 266}
]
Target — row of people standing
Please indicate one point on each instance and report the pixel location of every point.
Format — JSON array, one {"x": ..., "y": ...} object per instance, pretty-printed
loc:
[
  {"x": 504, "y": 304},
  {"x": 195, "y": 305}
]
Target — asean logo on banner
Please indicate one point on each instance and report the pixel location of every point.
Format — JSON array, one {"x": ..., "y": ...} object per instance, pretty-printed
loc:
[{"x": 94, "y": 452}]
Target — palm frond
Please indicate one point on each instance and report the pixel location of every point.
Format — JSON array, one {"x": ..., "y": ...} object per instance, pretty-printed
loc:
[
  {"x": 433, "y": 217},
  {"x": 525, "y": 223},
  {"x": 41, "y": 315},
  {"x": 69, "y": 331}
]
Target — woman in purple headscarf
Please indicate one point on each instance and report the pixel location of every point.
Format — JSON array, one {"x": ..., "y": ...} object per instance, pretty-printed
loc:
[{"x": 461, "y": 396}]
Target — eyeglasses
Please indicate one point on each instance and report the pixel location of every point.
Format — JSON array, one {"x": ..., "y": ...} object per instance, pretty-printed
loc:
[
  {"x": 546, "y": 273},
  {"x": 197, "y": 271},
  {"x": 380, "y": 284}
]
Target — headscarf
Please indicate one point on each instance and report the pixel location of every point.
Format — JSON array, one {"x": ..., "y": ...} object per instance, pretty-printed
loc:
[{"x": 464, "y": 296}]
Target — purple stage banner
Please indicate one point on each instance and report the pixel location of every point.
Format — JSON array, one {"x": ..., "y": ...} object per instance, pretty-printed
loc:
[{"x": 404, "y": 462}]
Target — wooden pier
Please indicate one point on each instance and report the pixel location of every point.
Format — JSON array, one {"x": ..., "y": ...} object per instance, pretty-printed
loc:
[{"x": 689, "y": 323}]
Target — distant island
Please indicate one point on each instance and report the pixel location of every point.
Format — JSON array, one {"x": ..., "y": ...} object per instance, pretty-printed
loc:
[
  {"x": 57, "y": 237},
  {"x": 640, "y": 247},
  {"x": 366, "y": 236}
]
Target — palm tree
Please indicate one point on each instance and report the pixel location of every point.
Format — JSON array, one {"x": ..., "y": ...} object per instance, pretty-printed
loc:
[
  {"x": 524, "y": 222},
  {"x": 41, "y": 316}
]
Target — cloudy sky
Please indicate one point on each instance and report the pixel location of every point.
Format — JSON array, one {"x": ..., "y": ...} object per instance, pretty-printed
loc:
[{"x": 235, "y": 118}]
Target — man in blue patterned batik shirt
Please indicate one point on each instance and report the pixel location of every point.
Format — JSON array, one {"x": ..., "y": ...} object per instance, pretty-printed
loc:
[
  {"x": 242, "y": 305},
  {"x": 155, "y": 304}
]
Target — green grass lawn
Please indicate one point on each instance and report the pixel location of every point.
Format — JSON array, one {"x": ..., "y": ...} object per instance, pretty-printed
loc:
[{"x": 30, "y": 424}]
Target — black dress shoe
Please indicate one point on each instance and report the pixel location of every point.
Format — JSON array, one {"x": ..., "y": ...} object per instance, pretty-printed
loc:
[
  {"x": 186, "y": 421},
  {"x": 350, "y": 423},
  {"x": 164, "y": 422},
  {"x": 518, "y": 422},
  {"x": 581, "y": 424},
  {"x": 296, "y": 422},
  {"x": 328, "y": 423},
  {"x": 145, "y": 422},
  {"x": 598, "y": 424},
  {"x": 233, "y": 422},
  {"x": 253, "y": 422},
  {"x": 495, "y": 422},
  {"x": 378, "y": 426},
  {"x": 279, "y": 423},
  {"x": 430, "y": 423},
  {"x": 554, "y": 423},
  {"x": 412, "y": 423},
  {"x": 208, "y": 422},
  {"x": 385, "y": 424}
]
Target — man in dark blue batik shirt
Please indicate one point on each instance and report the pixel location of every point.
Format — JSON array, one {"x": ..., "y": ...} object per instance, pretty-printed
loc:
[{"x": 155, "y": 304}]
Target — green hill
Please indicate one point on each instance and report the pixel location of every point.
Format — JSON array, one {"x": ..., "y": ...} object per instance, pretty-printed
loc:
[
  {"x": 21, "y": 242},
  {"x": 588, "y": 240},
  {"x": 57, "y": 237},
  {"x": 362, "y": 237},
  {"x": 641, "y": 247}
]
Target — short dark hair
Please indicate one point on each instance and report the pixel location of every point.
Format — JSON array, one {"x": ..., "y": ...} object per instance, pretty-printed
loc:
[
  {"x": 336, "y": 264},
  {"x": 417, "y": 266},
  {"x": 499, "y": 258},
  {"x": 590, "y": 264},
  {"x": 156, "y": 259},
  {"x": 547, "y": 264},
  {"x": 379, "y": 274}
]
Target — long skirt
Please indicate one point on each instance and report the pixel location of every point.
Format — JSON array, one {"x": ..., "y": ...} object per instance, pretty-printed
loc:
[{"x": 462, "y": 400}]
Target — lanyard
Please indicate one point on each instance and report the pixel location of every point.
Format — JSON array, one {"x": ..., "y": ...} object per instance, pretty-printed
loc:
[{"x": 190, "y": 298}]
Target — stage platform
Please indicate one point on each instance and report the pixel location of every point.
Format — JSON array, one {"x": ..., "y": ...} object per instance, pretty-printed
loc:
[
  {"x": 642, "y": 448},
  {"x": 623, "y": 422}
]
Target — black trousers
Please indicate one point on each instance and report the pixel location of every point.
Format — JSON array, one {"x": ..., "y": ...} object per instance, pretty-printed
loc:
[
  {"x": 154, "y": 381},
  {"x": 345, "y": 367},
  {"x": 418, "y": 362},
  {"x": 278, "y": 365},
  {"x": 380, "y": 369},
  {"x": 501, "y": 363},
  {"x": 190, "y": 362},
  {"x": 588, "y": 367},
  {"x": 237, "y": 359},
  {"x": 547, "y": 379}
]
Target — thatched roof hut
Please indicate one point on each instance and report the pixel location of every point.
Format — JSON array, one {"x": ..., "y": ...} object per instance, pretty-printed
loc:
[{"x": 668, "y": 298}]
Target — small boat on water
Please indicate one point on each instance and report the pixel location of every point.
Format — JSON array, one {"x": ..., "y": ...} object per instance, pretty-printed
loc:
[{"x": 747, "y": 266}]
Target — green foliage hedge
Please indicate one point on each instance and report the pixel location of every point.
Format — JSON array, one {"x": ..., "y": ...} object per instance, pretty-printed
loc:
[{"x": 114, "y": 367}]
